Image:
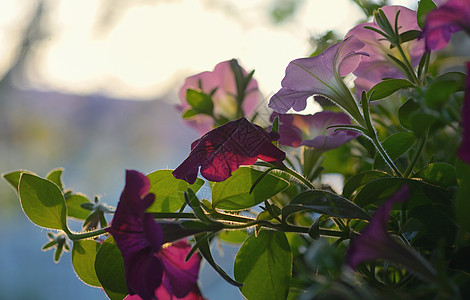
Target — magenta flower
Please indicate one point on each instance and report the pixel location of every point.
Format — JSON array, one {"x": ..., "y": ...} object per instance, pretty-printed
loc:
[
  {"x": 464, "y": 149},
  {"x": 311, "y": 130},
  {"x": 321, "y": 75},
  {"x": 140, "y": 240},
  {"x": 378, "y": 65},
  {"x": 222, "y": 150},
  {"x": 375, "y": 242},
  {"x": 444, "y": 21},
  {"x": 222, "y": 81}
]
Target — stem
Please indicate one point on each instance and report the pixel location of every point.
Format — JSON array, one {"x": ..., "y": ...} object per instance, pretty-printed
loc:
[
  {"x": 245, "y": 222},
  {"x": 408, "y": 65},
  {"x": 385, "y": 156},
  {"x": 422, "y": 142},
  {"x": 372, "y": 134},
  {"x": 85, "y": 235},
  {"x": 296, "y": 175}
]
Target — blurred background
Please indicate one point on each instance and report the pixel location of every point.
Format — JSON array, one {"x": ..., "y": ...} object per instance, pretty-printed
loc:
[{"x": 92, "y": 85}]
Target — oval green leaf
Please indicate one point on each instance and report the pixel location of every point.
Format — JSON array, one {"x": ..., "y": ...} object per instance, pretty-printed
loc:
[
  {"x": 74, "y": 209},
  {"x": 169, "y": 191},
  {"x": 55, "y": 176},
  {"x": 386, "y": 88},
  {"x": 264, "y": 265},
  {"x": 421, "y": 193},
  {"x": 83, "y": 261},
  {"x": 406, "y": 111},
  {"x": 109, "y": 268},
  {"x": 234, "y": 192},
  {"x": 13, "y": 178},
  {"x": 43, "y": 202},
  {"x": 360, "y": 179},
  {"x": 395, "y": 145},
  {"x": 438, "y": 173},
  {"x": 325, "y": 203}
]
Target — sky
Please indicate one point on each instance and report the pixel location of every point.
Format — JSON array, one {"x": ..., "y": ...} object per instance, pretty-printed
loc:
[{"x": 148, "y": 49}]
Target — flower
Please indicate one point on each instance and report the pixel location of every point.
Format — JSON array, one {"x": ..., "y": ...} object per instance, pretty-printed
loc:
[
  {"x": 311, "y": 130},
  {"x": 222, "y": 150},
  {"x": 139, "y": 238},
  {"x": 378, "y": 65},
  {"x": 375, "y": 243},
  {"x": 464, "y": 149},
  {"x": 444, "y": 21},
  {"x": 221, "y": 82},
  {"x": 321, "y": 75}
]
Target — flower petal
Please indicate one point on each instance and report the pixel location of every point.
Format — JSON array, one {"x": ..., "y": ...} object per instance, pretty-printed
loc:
[
  {"x": 444, "y": 21},
  {"x": 180, "y": 276},
  {"x": 222, "y": 150},
  {"x": 374, "y": 241}
]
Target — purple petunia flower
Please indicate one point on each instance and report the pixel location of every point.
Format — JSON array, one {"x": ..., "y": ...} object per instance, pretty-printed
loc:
[
  {"x": 311, "y": 130},
  {"x": 139, "y": 238},
  {"x": 378, "y": 65},
  {"x": 464, "y": 149},
  {"x": 375, "y": 242},
  {"x": 321, "y": 75},
  {"x": 222, "y": 150},
  {"x": 444, "y": 21},
  {"x": 222, "y": 80}
]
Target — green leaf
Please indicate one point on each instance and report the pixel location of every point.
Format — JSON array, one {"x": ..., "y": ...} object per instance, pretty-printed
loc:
[
  {"x": 74, "y": 208},
  {"x": 325, "y": 203},
  {"x": 438, "y": 173},
  {"x": 200, "y": 102},
  {"x": 462, "y": 205},
  {"x": 43, "y": 202},
  {"x": 376, "y": 191},
  {"x": 189, "y": 113},
  {"x": 422, "y": 121},
  {"x": 55, "y": 176},
  {"x": 438, "y": 93},
  {"x": 204, "y": 248},
  {"x": 109, "y": 267},
  {"x": 169, "y": 191},
  {"x": 409, "y": 35},
  {"x": 360, "y": 179},
  {"x": 264, "y": 265},
  {"x": 233, "y": 236},
  {"x": 406, "y": 111},
  {"x": 234, "y": 192},
  {"x": 395, "y": 145},
  {"x": 386, "y": 88},
  {"x": 13, "y": 178},
  {"x": 424, "y": 7},
  {"x": 83, "y": 261}
]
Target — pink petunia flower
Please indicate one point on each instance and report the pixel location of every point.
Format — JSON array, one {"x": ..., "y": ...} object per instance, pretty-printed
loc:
[
  {"x": 222, "y": 81},
  {"x": 444, "y": 21},
  {"x": 464, "y": 149},
  {"x": 321, "y": 75},
  {"x": 222, "y": 150},
  {"x": 311, "y": 130},
  {"x": 140, "y": 239},
  {"x": 378, "y": 65}
]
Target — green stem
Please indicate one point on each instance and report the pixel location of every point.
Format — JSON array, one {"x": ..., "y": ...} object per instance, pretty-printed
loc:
[
  {"x": 296, "y": 175},
  {"x": 385, "y": 156},
  {"x": 372, "y": 134},
  {"x": 408, "y": 65},
  {"x": 85, "y": 235},
  {"x": 421, "y": 144}
]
